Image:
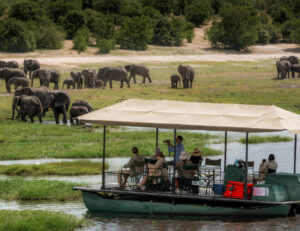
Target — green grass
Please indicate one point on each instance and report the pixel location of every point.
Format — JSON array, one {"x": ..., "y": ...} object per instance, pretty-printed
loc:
[
  {"x": 266, "y": 139},
  {"x": 20, "y": 189},
  {"x": 27, "y": 220},
  {"x": 61, "y": 169},
  {"x": 31, "y": 141},
  {"x": 215, "y": 82}
]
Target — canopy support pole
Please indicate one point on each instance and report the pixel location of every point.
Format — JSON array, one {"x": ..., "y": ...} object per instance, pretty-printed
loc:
[
  {"x": 247, "y": 144},
  {"x": 103, "y": 158},
  {"x": 225, "y": 151},
  {"x": 174, "y": 160},
  {"x": 156, "y": 144},
  {"x": 295, "y": 155}
]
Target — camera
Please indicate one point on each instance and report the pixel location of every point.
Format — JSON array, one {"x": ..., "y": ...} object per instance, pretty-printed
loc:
[{"x": 166, "y": 141}]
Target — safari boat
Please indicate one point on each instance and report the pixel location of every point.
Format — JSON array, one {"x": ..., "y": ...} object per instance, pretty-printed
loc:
[{"x": 218, "y": 193}]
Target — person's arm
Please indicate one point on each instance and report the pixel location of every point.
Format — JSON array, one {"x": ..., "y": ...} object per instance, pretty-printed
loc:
[
  {"x": 158, "y": 164},
  {"x": 129, "y": 164}
]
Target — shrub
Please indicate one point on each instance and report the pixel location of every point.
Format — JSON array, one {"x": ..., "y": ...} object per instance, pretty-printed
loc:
[
  {"x": 3, "y": 8},
  {"x": 105, "y": 45},
  {"x": 295, "y": 35},
  {"x": 58, "y": 9},
  {"x": 108, "y": 6},
  {"x": 198, "y": 11},
  {"x": 263, "y": 36},
  {"x": 81, "y": 39},
  {"x": 47, "y": 34},
  {"x": 15, "y": 36},
  {"x": 72, "y": 22},
  {"x": 135, "y": 33},
  {"x": 164, "y": 6},
  {"x": 189, "y": 32},
  {"x": 237, "y": 30},
  {"x": 26, "y": 10},
  {"x": 131, "y": 8}
]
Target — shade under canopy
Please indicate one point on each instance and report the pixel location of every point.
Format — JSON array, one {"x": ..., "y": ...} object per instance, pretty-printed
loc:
[{"x": 195, "y": 116}]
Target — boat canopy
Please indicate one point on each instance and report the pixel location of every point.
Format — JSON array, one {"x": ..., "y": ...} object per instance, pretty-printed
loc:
[{"x": 195, "y": 116}]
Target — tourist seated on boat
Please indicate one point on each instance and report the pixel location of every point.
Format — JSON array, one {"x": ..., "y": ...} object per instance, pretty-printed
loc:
[
  {"x": 184, "y": 160},
  {"x": 196, "y": 156},
  {"x": 156, "y": 170},
  {"x": 156, "y": 150},
  {"x": 179, "y": 147},
  {"x": 267, "y": 167},
  {"x": 135, "y": 165}
]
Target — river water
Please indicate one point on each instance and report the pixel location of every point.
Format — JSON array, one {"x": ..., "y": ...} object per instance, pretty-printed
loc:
[{"x": 115, "y": 222}]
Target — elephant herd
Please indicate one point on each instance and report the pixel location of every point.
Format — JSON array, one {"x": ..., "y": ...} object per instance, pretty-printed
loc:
[
  {"x": 13, "y": 75},
  {"x": 32, "y": 102},
  {"x": 286, "y": 65}
]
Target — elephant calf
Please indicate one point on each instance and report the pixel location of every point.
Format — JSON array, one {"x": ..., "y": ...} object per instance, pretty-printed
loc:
[
  {"x": 98, "y": 83},
  {"x": 28, "y": 106},
  {"x": 283, "y": 67},
  {"x": 59, "y": 103},
  {"x": 69, "y": 83},
  {"x": 77, "y": 111},
  {"x": 83, "y": 104},
  {"x": 18, "y": 82},
  {"x": 175, "y": 79}
]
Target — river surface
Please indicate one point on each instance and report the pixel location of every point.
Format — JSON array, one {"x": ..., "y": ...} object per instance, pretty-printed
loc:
[{"x": 284, "y": 152}]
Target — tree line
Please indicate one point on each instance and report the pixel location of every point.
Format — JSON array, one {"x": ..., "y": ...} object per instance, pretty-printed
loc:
[{"x": 26, "y": 25}]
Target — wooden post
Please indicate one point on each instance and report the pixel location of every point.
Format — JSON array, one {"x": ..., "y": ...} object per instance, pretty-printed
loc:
[
  {"x": 174, "y": 160},
  {"x": 156, "y": 145},
  {"x": 103, "y": 158},
  {"x": 225, "y": 151},
  {"x": 295, "y": 155}
]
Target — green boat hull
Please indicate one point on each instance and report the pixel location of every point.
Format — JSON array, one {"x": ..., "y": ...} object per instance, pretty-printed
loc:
[{"x": 95, "y": 203}]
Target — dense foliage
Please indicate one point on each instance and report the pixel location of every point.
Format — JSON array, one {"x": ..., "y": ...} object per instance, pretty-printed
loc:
[{"x": 133, "y": 24}]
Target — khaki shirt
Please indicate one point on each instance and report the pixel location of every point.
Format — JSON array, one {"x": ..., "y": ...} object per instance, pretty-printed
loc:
[
  {"x": 264, "y": 168},
  {"x": 135, "y": 164},
  {"x": 155, "y": 170},
  {"x": 188, "y": 174}
]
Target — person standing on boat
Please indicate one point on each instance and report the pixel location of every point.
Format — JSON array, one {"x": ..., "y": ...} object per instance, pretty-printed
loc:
[
  {"x": 136, "y": 165},
  {"x": 179, "y": 147}
]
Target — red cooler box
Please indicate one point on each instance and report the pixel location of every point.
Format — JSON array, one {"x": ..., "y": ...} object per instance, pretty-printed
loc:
[{"x": 236, "y": 190}]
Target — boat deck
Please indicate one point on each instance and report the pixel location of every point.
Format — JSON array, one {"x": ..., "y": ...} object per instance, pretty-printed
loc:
[{"x": 172, "y": 196}]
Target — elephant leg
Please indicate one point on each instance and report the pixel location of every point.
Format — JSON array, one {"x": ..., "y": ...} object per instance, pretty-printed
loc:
[
  {"x": 56, "y": 116},
  {"x": 144, "y": 79},
  {"x": 191, "y": 84},
  {"x": 65, "y": 119},
  {"x": 150, "y": 81},
  {"x": 31, "y": 119},
  {"x": 277, "y": 74},
  {"x": 6, "y": 84},
  {"x": 293, "y": 74},
  {"x": 128, "y": 84},
  {"x": 23, "y": 117},
  {"x": 298, "y": 74},
  {"x": 40, "y": 117},
  {"x": 110, "y": 83},
  {"x": 134, "y": 79},
  {"x": 121, "y": 86},
  {"x": 68, "y": 86}
]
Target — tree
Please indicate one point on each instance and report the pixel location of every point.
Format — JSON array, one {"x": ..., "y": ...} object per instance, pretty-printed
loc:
[
  {"x": 105, "y": 45},
  {"x": 73, "y": 21},
  {"x": 131, "y": 8},
  {"x": 238, "y": 28},
  {"x": 80, "y": 40},
  {"x": 295, "y": 35},
  {"x": 3, "y": 8},
  {"x": 135, "y": 33},
  {"x": 164, "y": 6},
  {"x": 198, "y": 11},
  {"x": 108, "y": 6},
  {"x": 15, "y": 37},
  {"x": 26, "y": 10},
  {"x": 57, "y": 9}
]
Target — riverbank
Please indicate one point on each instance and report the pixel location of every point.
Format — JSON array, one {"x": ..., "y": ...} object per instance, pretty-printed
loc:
[
  {"x": 20, "y": 189},
  {"x": 74, "y": 168},
  {"x": 11, "y": 220}
]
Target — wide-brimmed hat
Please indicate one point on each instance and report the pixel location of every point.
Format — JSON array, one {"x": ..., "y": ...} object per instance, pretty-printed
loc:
[
  {"x": 197, "y": 152},
  {"x": 184, "y": 155}
]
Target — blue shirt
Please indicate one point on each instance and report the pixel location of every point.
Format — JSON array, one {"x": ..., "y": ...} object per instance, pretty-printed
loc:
[{"x": 179, "y": 149}]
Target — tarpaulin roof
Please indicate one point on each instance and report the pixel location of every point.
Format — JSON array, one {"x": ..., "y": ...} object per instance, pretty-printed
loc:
[{"x": 195, "y": 116}]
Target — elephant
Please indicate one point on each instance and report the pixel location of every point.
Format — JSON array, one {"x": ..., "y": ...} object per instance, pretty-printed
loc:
[
  {"x": 187, "y": 74},
  {"x": 78, "y": 79},
  {"x": 89, "y": 77},
  {"x": 83, "y": 104},
  {"x": 7, "y": 73},
  {"x": 292, "y": 59},
  {"x": 295, "y": 68},
  {"x": 77, "y": 111},
  {"x": 98, "y": 83},
  {"x": 69, "y": 83},
  {"x": 43, "y": 93},
  {"x": 18, "y": 82},
  {"x": 30, "y": 65},
  {"x": 9, "y": 64},
  {"x": 59, "y": 103},
  {"x": 108, "y": 74},
  {"x": 175, "y": 79},
  {"x": 28, "y": 106},
  {"x": 46, "y": 77},
  {"x": 283, "y": 68},
  {"x": 138, "y": 69}
]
